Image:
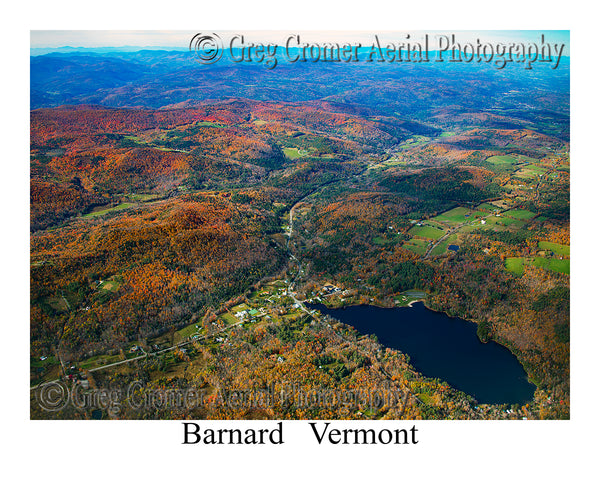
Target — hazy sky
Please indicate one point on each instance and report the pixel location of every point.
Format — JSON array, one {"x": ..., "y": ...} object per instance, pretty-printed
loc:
[{"x": 180, "y": 38}]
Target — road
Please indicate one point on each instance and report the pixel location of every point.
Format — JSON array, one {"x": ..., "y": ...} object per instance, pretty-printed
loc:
[
  {"x": 473, "y": 222},
  {"x": 151, "y": 354},
  {"x": 455, "y": 229}
]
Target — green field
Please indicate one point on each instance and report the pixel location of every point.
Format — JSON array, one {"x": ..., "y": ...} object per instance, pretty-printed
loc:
[
  {"x": 293, "y": 153},
  {"x": 536, "y": 169},
  {"x": 505, "y": 221},
  {"x": 414, "y": 141},
  {"x": 432, "y": 223},
  {"x": 121, "y": 206},
  {"x": 391, "y": 162},
  {"x": 502, "y": 160},
  {"x": 479, "y": 226},
  {"x": 456, "y": 216},
  {"x": 557, "y": 265},
  {"x": 417, "y": 246},
  {"x": 516, "y": 265},
  {"x": 98, "y": 361},
  {"x": 209, "y": 124},
  {"x": 240, "y": 307},
  {"x": 519, "y": 214},
  {"x": 531, "y": 171},
  {"x": 443, "y": 247},
  {"x": 229, "y": 319},
  {"x": 488, "y": 207},
  {"x": 382, "y": 241},
  {"x": 190, "y": 330},
  {"x": 142, "y": 197},
  {"x": 426, "y": 231},
  {"x": 111, "y": 285},
  {"x": 558, "y": 249}
]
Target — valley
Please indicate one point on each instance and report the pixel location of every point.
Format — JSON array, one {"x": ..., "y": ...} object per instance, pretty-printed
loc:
[{"x": 181, "y": 246}]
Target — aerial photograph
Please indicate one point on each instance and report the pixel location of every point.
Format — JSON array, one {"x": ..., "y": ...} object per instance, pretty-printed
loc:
[{"x": 299, "y": 225}]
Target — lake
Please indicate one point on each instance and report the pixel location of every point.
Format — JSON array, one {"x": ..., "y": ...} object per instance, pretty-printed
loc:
[{"x": 443, "y": 347}]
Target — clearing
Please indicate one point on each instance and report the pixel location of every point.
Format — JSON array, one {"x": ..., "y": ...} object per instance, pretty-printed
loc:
[{"x": 427, "y": 231}]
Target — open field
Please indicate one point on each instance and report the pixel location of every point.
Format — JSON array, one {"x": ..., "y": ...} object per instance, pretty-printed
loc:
[
  {"x": 502, "y": 160},
  {"x": 112, "y": 285},
  {"x": 229, "y": 319},
  {"x": 239, "y": 308},
  {"x": 519, "y": 214},
  {"x": 293, "y": 153},
  {"x": 142, "y": 197},
  {"x": 505, "y": 221},
  {"x": 392, "y": 162},
  {"x": 556, "y": 248},
  {"x": 417, "y": 246},
  {"x": 456, "y": 216},
  {"x": 516, "y": 265},
  {"x": 443, "y": 247},
  {"x": 531, "y": 171},
  {"x": 98, "y": 361},
  {"x": 382, "y": 241},
  {"x": 195, "y": 328},
  {"x": 121, "y": 206},
  {"x": 415, "y": 141},
  {"x": 209, "y": 124},
  {"x": 488, "y": 207},
  {"x": 435, "y": 224},
  {"x": 426, "y": 231}
]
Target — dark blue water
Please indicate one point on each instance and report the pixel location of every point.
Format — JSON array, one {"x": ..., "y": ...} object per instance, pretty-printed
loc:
[
  {"x": 444, "y": 347},
  {"x": 454, "y": 248}
]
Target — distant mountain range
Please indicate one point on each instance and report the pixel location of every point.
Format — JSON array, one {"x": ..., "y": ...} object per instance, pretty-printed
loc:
[
  {"x": 174, "y": 79},
  {"x": 35, "y": 51}
]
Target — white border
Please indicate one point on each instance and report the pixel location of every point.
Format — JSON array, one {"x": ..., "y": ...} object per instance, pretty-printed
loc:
[{"x": 152, "y": 449}]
